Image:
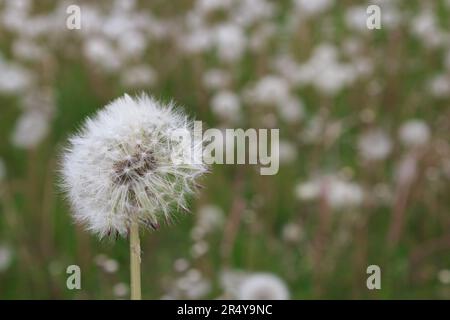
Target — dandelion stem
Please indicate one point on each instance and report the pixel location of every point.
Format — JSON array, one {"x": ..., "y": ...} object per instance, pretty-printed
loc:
[{"x": 135, "y": 261}]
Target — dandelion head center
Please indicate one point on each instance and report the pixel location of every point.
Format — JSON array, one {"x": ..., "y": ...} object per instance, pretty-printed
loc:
[{"x": 134, "y": 166}]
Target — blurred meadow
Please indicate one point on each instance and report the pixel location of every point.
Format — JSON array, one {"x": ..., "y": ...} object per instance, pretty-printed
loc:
[{"x": 364, "y": 123}]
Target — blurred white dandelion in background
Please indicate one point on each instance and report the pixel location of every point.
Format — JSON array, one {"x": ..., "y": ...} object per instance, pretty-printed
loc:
[
  {"x": 337, "y": 191},
  {"x": 6, "y": 257},
  {"x": 31, "y": 128},
  {"x": 374, "y": 144},
  {"x": 414, "y": 132},
  {"x": 311, "y": 8},
  {"x": 14, "y": 79},
  {"x": 439, "y": 86},
  {"x": 444, "y": 276},
  {"x": 110, "y": 266},
  {"x": 226, "y": 106},
  {"x": 121, "y": 290},
  {"x": 263, "y": 286}
]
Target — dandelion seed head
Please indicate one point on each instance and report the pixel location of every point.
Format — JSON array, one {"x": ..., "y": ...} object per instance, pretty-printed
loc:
[
  {"x": 414, "y": 133},
  {"x": 355, "y": 17},
  {"x": 292, "y": 110},
  {"x": 335, "y": 190},
  {"x": 444, "y": 276},
  {"x": 439, "y": 86},
  {"x": 121, "y": 289},
  {"x": 6, "y": 256},
  {"x": 216, "y": 79},
  {"x": 230, "y": 41},
  {"x": 110, "y": 266},
  {"x": 210, "y": 218},
  {"x": 263, "y": 286},
  {"x": 2, "y": 169},
  {"x": 14, "y": 78},
  {"x": 270, "y": 90},
  {"x": 181, "y": 265},
  {"x": 125, "y": 165}
]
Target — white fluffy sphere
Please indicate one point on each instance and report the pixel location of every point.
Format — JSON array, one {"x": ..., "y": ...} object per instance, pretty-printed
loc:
[
  {"x": 124, "y": 165},
  {"x": 414, "y": 133},
  {"x": 263, "y": 286}
]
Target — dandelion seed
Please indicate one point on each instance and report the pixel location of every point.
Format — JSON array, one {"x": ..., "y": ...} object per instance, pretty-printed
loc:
[
  {"x": 211, "y": 217},
  {"x": 337, "y": 192},
  {"x": 226, "y": 106},
  {"x": 14, "y": 79},
  {"x": 292, "y": 233},
  {"x": 181, "y": 265},
  {"x": 374, "y": 145},
  {"x": 31, "y": 128},
  {"x": 216, "y": 79},
  {"x": 311, "y": 8},
  {"x": 199, "y": 249},
  {"x": 444, "y": 276}
]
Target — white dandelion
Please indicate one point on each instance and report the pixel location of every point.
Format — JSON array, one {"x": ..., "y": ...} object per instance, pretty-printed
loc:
[
  {"x": 414, "y": 133},
  {"x": 270, "y": 90},
  {"x": 2, "y": 169},
  {"x": 312, "y": 8},
  {"x": 374, "y": 144},
  {"x": 6, "y": 256},
  {"x": 230, "y": 42},
  {"x": 292, "y": 233},
  {"x": 263, "y": 286},
  {"x": 110, "y": 266},
  {"x": 124, "y": 169},
  {"x": 216, "y": 79},
  {"x": 120, "y": 290},
  {"x": 31, "y": 129},
  {"x": 335, "y": 190},
  {"x": 14, "y": 79}
]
